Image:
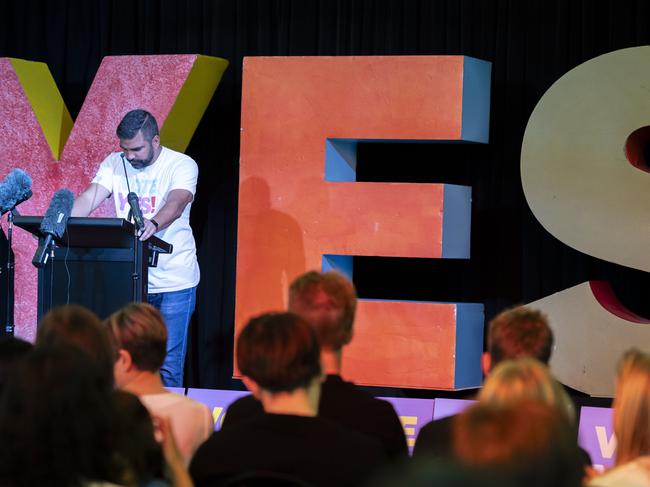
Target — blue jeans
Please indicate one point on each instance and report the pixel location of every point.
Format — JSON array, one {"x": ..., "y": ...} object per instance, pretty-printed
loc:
[{"x": 177, "y": 308}]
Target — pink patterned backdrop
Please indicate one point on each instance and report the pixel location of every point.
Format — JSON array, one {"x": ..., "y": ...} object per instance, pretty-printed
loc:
[{"x": 121, "y": 84}]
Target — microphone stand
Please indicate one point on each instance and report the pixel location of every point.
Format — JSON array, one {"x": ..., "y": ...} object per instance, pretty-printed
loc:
[
  {"x": 136, "y": 242},
  {"x": 136, "y": 258},
  {"x": 9, "y": 326}
]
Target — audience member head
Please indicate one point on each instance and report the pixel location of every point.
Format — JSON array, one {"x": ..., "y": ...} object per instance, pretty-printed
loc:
[
  {"x": 139, "y": 335},
  {"x": 12, "y": 351},
  {"x": 279, "y": 352},
  {"x": 79, "y": 327},
  {"x": 56, "y": 421},
  {"x": 526, "y": 379},
  {"x": 138, "y": 451},
  {"x": 515, "y": 333},
  {"x": 328, "y": 302},
  {"x": 632, "y": 406},
  {"x": 528, "y": 443}
]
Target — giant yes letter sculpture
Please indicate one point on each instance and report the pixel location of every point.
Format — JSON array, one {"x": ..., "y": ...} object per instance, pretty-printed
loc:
[
  {"x": 586, "y": 179},
  {"x": 39, "y": 135},
  {"x": 301, "y": 208}
]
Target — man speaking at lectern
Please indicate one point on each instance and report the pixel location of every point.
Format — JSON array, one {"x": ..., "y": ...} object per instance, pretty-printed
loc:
[{"x": 165, "y": 182}]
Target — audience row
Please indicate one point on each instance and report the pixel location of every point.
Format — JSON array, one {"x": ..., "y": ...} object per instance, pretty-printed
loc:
[{"x": 86, "y": 406}]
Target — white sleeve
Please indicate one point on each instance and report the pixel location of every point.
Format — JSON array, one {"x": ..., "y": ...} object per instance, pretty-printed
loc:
[
  {"x": 104, "y": 176},
  {"x": 185, "y": 175}
]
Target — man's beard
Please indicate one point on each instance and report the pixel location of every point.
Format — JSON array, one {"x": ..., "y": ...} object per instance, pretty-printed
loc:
[{"x": 142, "y": 163}]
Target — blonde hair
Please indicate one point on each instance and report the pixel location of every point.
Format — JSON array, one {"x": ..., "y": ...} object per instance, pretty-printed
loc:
[
  {"x": 632, "y": 406},
  {"x": 526, "y": 379}
]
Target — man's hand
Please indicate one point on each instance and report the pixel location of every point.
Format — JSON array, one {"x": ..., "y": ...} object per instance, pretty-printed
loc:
[
  {"x": 175, "y": 202},
  {"x": 148, "y": 230}
]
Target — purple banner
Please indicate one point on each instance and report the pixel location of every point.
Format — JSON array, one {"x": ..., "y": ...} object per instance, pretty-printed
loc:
[
  {"x": 216, "y": 400},
  {"x": 448, "y": 407},
  {"x": 596, "y": 435},
  {"x": 413, "y": 413}
]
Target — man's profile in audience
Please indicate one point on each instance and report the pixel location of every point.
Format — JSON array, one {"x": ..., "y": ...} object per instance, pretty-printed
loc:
[
  {"x": 515, "y": 333},
  {"x": 139, "y": 335},
  {"x": 327, "y": 301},
  {"x": 279, "y": 358}
]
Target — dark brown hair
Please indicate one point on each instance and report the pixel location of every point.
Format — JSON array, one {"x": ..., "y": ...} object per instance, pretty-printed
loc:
[
  {"x": 78, "y": 326},
  {"x": 279, "y": 351}
]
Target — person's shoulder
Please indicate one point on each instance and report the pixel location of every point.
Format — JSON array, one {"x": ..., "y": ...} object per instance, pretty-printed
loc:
[
  {"x": 434, "y": 437},
  {"x": 438, "y": 427},
  {"x": 171, "y": 156},
  {"x": 172, "y": 400},
  {"x": 192, "y": 404},
  {"x": 112, "y": 160},
  {"x": 635, "y": 473},
  {"x": 244, "y": 402},
  {"x": 243, "y": 408},
  {"x": 335, "y": 389}
]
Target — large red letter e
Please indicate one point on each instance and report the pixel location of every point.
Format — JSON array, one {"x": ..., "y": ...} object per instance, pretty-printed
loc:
[{"x": 300, "y": 207}]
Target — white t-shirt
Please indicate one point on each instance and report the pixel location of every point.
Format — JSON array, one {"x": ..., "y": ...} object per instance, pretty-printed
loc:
[
  {"x": 191, "y": 421},
  {"x": 171, "y": 170}
]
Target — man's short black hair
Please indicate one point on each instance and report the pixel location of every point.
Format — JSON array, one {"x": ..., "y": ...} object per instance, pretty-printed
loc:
[{"x": 136, "y": 121}]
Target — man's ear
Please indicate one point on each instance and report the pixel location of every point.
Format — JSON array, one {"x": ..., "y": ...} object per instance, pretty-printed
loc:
[
  {"x": 252, "y": 386},
  {"x": 486, "y": 363},
  {"x": 124, "y": 360}
]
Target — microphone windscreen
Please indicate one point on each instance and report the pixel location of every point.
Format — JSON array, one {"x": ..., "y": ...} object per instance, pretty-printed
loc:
[
  {"x": 56, "y": 216},
  {"x": 16, "y": 188}
]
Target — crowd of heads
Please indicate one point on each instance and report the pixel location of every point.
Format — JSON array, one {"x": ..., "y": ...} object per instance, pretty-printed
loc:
[
  {"x": 67, "y": 424},
  {"x": 60, "y": 412}
]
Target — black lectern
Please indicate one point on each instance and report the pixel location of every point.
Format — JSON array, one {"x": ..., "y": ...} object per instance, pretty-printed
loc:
[{"x": 97, "y": 263}]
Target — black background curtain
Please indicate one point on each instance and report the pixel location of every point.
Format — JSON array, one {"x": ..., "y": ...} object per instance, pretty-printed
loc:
[{"x": 530, "y": 44}]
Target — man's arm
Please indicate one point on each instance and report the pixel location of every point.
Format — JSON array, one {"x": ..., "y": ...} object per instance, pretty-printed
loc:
[
  {"x": 89, "y": 200},
  {"x": 177, "y": 200}
]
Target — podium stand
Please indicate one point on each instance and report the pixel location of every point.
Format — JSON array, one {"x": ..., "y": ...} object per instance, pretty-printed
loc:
[
  {"x": 97, "y": 263},
  {"x": 6, "y": 287}
]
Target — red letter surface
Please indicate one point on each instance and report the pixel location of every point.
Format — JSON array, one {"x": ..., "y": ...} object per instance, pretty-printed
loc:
[{"x": 299, "y": 203}]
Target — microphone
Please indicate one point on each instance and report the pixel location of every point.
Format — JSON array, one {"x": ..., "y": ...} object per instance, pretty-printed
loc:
[
  {"x": 134, "y": 203},
  {"x": 16, "y": 188},
  {"x": 54, "y": 223},
  {"x": 133, "y": 200}
]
